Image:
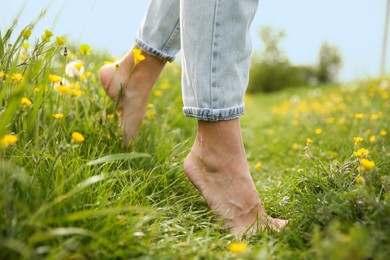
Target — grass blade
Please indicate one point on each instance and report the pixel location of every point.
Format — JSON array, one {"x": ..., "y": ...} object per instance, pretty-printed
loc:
[{"x": 117, "y": 157}]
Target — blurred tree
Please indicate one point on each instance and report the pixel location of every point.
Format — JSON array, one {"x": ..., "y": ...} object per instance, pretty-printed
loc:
[
  {"x": 271, "y": 69},
  {"x": 271, "y": 39},
  {"x": 329, "y": 63}
]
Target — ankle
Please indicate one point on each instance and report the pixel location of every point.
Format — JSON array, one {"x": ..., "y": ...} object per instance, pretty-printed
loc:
[
  {"x": 220, "y": 154},
  {"x": 221, "y": 137},
  {"x": 153, "y": 62}
]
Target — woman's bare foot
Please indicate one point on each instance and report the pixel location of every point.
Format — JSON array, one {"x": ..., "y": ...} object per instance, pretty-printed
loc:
[
  {"x": 131, "y": 94},
  {"x": 218, "y": 168}
]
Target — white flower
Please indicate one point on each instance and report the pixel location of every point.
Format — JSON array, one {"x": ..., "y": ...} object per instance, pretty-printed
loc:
[{"x": 74, "y": 68}]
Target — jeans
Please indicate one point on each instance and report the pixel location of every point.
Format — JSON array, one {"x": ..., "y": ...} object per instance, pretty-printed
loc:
[{"x": 216, "y": 47}]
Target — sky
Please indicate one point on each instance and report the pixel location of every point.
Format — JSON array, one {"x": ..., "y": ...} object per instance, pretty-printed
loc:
[{"x": 356, "y": 27}]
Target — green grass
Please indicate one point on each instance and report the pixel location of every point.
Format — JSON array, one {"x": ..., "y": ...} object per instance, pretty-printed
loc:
[{"x": 96, "y": 200}]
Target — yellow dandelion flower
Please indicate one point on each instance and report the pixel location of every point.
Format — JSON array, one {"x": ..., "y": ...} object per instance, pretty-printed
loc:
[
  {"x": 367, "y": 164},
  {"x": 82, "y": 77},
  {"x": 22, "y": 56},
  {"x": 77, "y": 137},
  {"x": 357, "y": 140},
  {"x": 329, "y": 120},
  {"x": 26, "y": 45},
  {"x": 372, "y": 138},
  {"x": 2, "y": 74},
  {"x": 74, "y": 86},
  {"x": 374, "y": 116},
  {"x": 360, "y": 180},
  {"x": 69, "y": 56},
  {"x": 383, "y": 132},
  {"x": 63, "y": 90},
  {"x": 237, "y": 247},
  {"x": 26, "y": 34},
  {"x": 60, "y": 41},
  {"x": 150, "y": 106},
  {"x": 361, "y": 152},
  {"x": 138, "y": 57},
  {"x": 359, "y": 116},
  {"x": 76, "y": 93},
  {"x": 258, "y": 165},
  {"x": 110, "y": 116},
  {"x": 54, "y": 78},
  {"x": 318, "y": 131},
  {"x": 25, "y": 101},
  {"x": 157, "y": 93},
  {"x": 341, "y": 121},
  {"x": 165, "y": 85},
  {"x": 309, "y": 141},
  {"x": 295, "y": 147},
  {"x": 151, "y": 114},
  {"x": 85, "y": 49},
  {"x": 37, "y": 90},
  {"x": 57, "y": 116},
  {"x": 300, "y": 170},
  {"x": 46, "y": 37},
  {"x": 16, "y": 77},
  {"x": 48, "y": 33},
  {"x": 88, "y": 74},
  {"x": 8, "y": 140}
]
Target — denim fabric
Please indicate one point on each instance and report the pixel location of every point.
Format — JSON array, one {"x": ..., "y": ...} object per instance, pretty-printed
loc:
[
  {"x": 159, "y": 34},
  {"x": 215, "y": 42}
]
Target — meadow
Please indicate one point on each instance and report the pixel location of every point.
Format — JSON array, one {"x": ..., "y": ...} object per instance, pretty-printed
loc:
[{"x": 69, "y": 190}]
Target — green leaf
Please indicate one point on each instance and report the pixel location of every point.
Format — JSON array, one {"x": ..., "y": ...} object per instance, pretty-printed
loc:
[
  {"x": 1, "y": 46},
  {"x": 68, "y": 231},
  {"x": 117, "y": 157},
  {"x": 94, "y": 213}
]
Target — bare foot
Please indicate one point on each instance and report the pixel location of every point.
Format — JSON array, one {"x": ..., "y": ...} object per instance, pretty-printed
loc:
[
  {"x": 221, "y": 174},
  {"x": 131, "y": 94}
]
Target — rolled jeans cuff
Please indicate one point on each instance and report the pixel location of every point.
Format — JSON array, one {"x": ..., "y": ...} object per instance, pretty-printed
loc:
[
  {"x": 153, "y": 51},
  {"x": 210, "y": 114}
]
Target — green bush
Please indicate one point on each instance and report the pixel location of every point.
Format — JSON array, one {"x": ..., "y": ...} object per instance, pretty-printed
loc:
[
  {"x": 268, "y": 77},
  {"x": 271, "y": 70}
]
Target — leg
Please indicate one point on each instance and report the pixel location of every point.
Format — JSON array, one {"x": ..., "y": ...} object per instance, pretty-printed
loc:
[
  {"x": 217, "y": 166},
  {"x": 135, "y": 92},
  {"x": 159, "y": 39},
  {"x": 216, "y": 56}
]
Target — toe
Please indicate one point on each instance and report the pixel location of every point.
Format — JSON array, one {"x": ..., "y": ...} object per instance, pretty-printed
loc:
[{"x": 277, "y": 224}]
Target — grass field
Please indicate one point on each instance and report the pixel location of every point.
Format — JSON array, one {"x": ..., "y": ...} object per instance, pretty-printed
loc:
[{"x": 319, "y": 157}]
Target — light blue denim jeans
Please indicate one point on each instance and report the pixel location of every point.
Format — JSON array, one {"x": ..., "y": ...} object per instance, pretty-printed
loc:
[{"x": 214, "y": 38}]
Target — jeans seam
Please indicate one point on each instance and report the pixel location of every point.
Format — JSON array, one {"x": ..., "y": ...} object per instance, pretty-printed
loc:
[
  {"x": 153, "y": 51},
  {"x": 171, "y": 37},
  {"x": 213, "y": 68}
]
